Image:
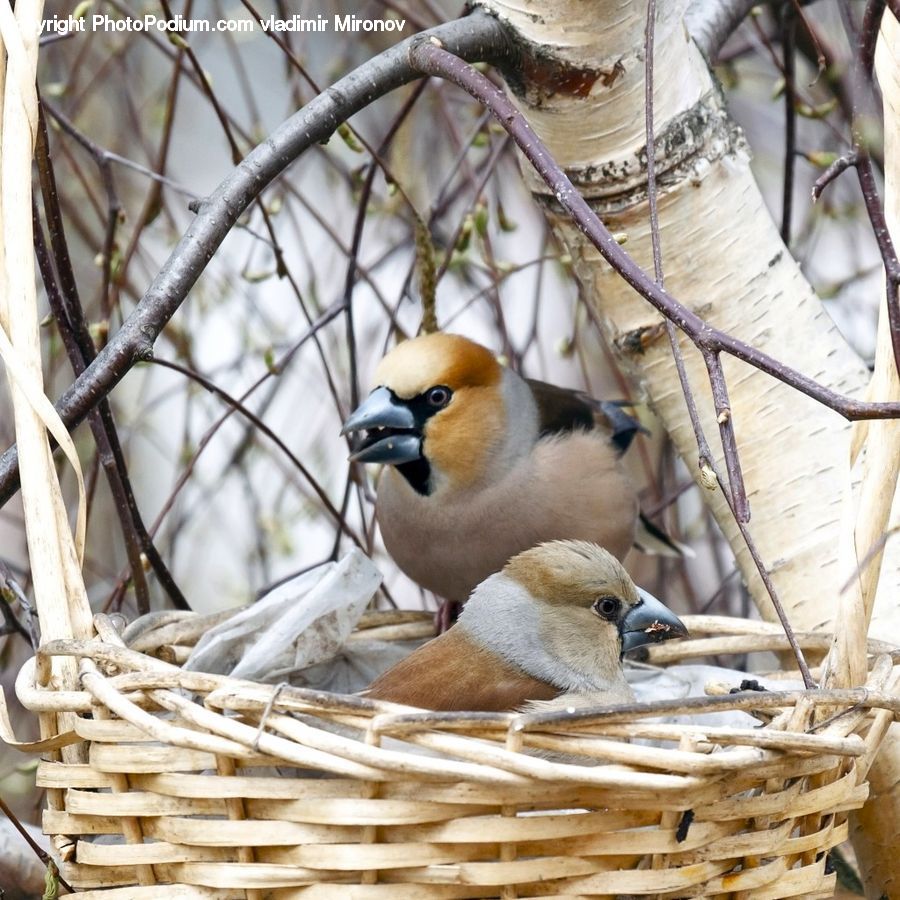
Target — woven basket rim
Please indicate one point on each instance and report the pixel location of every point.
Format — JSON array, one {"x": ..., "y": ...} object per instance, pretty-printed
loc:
[
  {"x": 137, "y": 672},
  {"x": 449, "y": 793}
]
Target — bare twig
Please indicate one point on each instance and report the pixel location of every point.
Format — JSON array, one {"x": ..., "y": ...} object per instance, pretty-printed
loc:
[
  {"x": 726, "y": 430},
  {"x": 788, "y": 48},
  {"x": 236, "y": 404},
  {"x": 236, "y": 155},
  {"x": 821, "y": 60},
  {"x": 841, "y": 164},
  {"x": 434, "y": 60},
  {"x": 62, "y": 293},
  {"x": 478, "y": 36},
  {"x": 351, "y": 280},
  {"x": 101, "y": 436},
  {"x": 39, "y": 851},
  {"x": 717, "y": 377},
  {"x": 860, "y": 158}
]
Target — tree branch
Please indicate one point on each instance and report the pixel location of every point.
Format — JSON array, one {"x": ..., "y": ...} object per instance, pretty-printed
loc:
[
  {"x": 860, "y": 158},
  {"x": 476, "y": 37},
  {"x": 434, "y": 60},
  {"x": 734, "y": 493},
  {"x": 65, "y": 303}
]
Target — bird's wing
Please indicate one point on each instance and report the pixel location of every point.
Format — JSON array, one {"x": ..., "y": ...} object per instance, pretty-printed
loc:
[
  {"x": 563, "y": 409},
  {"x": 453, "y": 672}
]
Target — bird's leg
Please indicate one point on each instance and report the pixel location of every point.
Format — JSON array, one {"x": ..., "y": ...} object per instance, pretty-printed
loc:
[{"x": 446, "y": 615}]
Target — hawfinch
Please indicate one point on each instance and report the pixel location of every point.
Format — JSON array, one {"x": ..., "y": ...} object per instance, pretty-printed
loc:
[
  {"x": 554, "y": 622},
  {"x": 482, "y": 464}
]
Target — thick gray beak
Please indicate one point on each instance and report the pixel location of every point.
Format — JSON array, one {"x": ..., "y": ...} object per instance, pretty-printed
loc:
[
  {"x": 381, "y": 409},
  {"x": 394, "y": 436},
  {"x": 648, "y": 623}
]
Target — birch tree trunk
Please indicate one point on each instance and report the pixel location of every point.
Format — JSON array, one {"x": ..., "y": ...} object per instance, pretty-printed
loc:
[{"x": 582, "y": 90}]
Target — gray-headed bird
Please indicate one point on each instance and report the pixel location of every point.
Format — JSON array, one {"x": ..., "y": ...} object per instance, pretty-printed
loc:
[{"x": 555, "y": 621}]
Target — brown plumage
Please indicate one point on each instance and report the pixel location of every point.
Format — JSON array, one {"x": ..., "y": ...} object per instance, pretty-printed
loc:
[
  {"x": 482, "y": 464},
  {"x": 554, "y": 622},
  {"x": 454, "y": 671}
]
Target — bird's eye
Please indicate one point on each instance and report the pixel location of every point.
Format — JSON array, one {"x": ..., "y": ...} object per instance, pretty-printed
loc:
[
  {"x": 439, "y": 396},
  {"x": 607, "y": 607}
]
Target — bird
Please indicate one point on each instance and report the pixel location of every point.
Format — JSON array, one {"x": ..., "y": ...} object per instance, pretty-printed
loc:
[
  {"x": 553, "y": 623},
  {"x": 482, "y": 463}
]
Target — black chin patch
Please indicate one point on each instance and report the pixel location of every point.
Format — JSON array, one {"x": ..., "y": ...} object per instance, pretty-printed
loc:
[{"x": 418, "y": 475}]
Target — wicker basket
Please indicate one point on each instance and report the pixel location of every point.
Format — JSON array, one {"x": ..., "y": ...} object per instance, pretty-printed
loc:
[{"x": 380, "y": 802}]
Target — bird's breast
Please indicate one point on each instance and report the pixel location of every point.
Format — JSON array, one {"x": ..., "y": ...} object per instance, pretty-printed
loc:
[{"x": 567, "y": 487}]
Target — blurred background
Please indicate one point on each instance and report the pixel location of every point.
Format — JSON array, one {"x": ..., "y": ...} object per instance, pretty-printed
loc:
[{"x": 144, "y": 124}]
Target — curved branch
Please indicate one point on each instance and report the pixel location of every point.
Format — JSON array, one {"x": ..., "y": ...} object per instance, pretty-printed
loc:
[
  {"x": 434, "y": 60},
  {"x": 860, "y": 158},
  {"x": 476, "y": 37}
]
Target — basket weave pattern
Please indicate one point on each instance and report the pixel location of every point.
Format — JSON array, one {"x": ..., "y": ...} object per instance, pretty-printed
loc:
[{"x": 221, "y": 788}]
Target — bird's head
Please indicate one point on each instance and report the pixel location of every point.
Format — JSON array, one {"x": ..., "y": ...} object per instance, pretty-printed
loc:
[
  {"x": 585, "y": 609},
  {"x": 437, "y": 407}
]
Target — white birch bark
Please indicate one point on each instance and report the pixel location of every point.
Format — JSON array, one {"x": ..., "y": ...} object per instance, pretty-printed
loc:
[{"x": 723, "y": 257}]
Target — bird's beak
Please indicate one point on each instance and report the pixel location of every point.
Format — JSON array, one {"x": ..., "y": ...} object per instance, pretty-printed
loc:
[
  {"x": 394, "y": 434},
  {"x": 648, "y": 623}
]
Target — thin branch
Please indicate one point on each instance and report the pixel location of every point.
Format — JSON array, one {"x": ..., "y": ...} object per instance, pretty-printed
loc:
[
  {"x": 153, "y": 200},
  {"x": 821, "y": 60},
  {"x": 352, "y": 278},
  {"x": 62, "y": 293},
  {"x": 39, "y": 851},
  {"x": 478, "y": 37},
  {"x": 726, "y": 431},
  {"x": 206, "y": 86},
  {"x": 840, "y": 165},
  {"x": 788, "y": 48},
  {"x": 860, "y": 158},
  {"x": 101, "y": 438},
  {"x": 739, "y": 500},
  {"x": 434, "y": 60},
  {"x": 736, "y": 497},
  {"x": 236, "y": 404}
]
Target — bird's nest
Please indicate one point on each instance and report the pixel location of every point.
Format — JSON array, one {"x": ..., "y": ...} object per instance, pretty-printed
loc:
[{"x": 216, "y": 787}]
